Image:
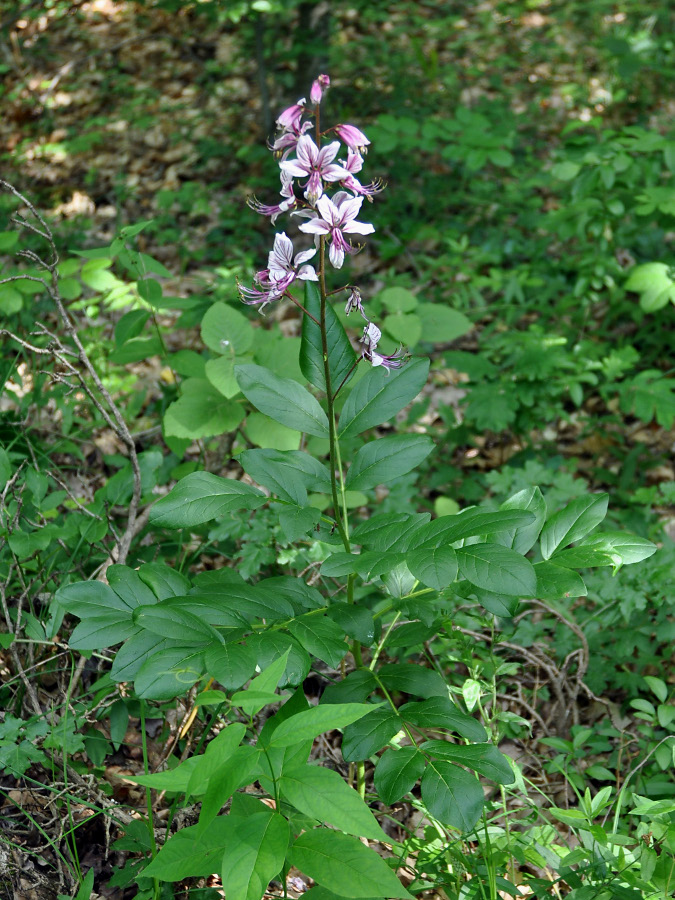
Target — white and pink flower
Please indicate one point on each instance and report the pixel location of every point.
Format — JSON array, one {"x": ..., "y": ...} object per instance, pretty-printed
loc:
[
  {"x": 282, "y": 270},
  {"x": 336, "y": 218},
  {"x": 317, "y": 164}
]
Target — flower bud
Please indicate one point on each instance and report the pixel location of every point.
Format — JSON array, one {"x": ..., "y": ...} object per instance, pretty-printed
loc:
[
  {"x": 321, "y": 84},
  {"x": 352, "y": 137}
]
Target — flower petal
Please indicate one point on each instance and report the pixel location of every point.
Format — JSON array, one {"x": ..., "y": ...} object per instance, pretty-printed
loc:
[
  {"x": 303, "y": 256},
  {"x": 315, "y": 226},
  {"x": 336, "y": 255},
  {"x": 293, "y": 167},
  {"x": 358, "y": 227}
]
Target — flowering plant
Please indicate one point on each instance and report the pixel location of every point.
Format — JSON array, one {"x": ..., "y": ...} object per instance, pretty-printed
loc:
[
  {"x": 313, "y": 173},
  {"x": 383, "y": 593}
]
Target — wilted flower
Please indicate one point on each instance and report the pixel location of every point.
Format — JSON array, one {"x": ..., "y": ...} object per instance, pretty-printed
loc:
[
  {"x": 336, "y": 218},
  {"x": 370, "y": 340},
  {"x": 354, "y": 301}
]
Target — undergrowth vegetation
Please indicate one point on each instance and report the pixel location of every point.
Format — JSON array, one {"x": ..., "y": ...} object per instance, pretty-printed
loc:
[{"x": 350, "y": 574}]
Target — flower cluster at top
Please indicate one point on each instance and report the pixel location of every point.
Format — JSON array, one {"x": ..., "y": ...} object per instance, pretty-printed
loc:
[{"x": 318, "y": 185}]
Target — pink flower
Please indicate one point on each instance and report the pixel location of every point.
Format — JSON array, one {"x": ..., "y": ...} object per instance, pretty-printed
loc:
[
  {"x": 318, "y": 164},
  {"x": 282, "y": 266},
  {"x": 370, "y": 340},
  {"x": 282, "y": 270},
  {"x": 352, "y": 137},
  {"x": 288, "y": 140},
  {"x": 275, "y": 211},
  {"x": 353, "y": 165},
  {"x": 337, "y": 217},
  {"x": 321, "y": 84},
  {"x": 290, "y": 117}
]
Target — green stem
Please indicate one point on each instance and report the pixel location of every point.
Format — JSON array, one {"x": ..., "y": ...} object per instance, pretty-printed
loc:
[
  {"x": 380, "y": 646},
  {"x": 332, "y": 436}
]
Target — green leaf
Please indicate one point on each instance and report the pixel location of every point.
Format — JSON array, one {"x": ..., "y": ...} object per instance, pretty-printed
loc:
[
  {"x": 380, "y": 395},
  {"x": 383, "y": 460},
  {"x": 338, "y": 860},
  {"x": 255, "y": 852},
  {"x": 130, "y": 587},
  {"x": 496, "y": 568},
  {"x": 626, "y": 548},
  {"x": 400, "y": 581},
  {"x": 130, "y": 325},
  {"x": 268, "y": 434},
  {"x": 178, "y": 624},
  {"x": 282, "y": 399},
  {"x": 324, "y": 795},
  {"x": 237, "y": 770},
  {"x": 436, "y": 567},
  {"x": 225, "y": 330},
  {"x": 70, "y": 288},
  {"x": 200, "y": 497},
  {"x": 271, "y": 645},
  {"x": 191, "y": 854},
  {"x": 482, "y": 758},
  {"x": 341, "y": 356},
  {"x": 389, "y": 531},
  {"x": 441, "y": 324},
  {"x": 95, "y": 275},
  {"x": 11, "y": 299},
  {"x": 452, "y": 795},
  {"x": 573, "y": 522},
  {"x": 92, "y": 598},
  {"x": 355, "y": 688},
  {"x": 289, "y": 474},
  {"x": 522, "y": 538},
  {"x": 355, "y": 621},
  {"x": 98, "y": 632},
  {"x": 220, "y": 373},
  {"x": 321, "y": 637},
  {"x": 654, "y": 282},
  {"x": 566, "y": 170},
  {"x": 398, "y": 299},
  {"x": 312, "y": 722},
  {"x": 150, "y": 290},
  {"x": 230, "y": 664},
  {"x": 582, "y": 558},
  {"x": 164, "y": 581},
  {"x": 413, "y": 679},
  {"x": 407, "y": 329},
  {"x": 135, "y": 652},
  {"x": 367, "y": 565},
  {"x": 440, "y": 712},
  {"x": 556, "y": 582},
  {"x": 471, "y": 523},
  {"x": 397, "y": 773},
  {"x": 295, "y": 522},
  {"x": 278, "y": 475},
  {"x": 169, "y": 673},
  {"x": 201, "y": 411},
  {"x": 365, "y": 737}
]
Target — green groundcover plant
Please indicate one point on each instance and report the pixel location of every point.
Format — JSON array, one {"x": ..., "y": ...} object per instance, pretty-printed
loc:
[{"x": 379, "y": 586}]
